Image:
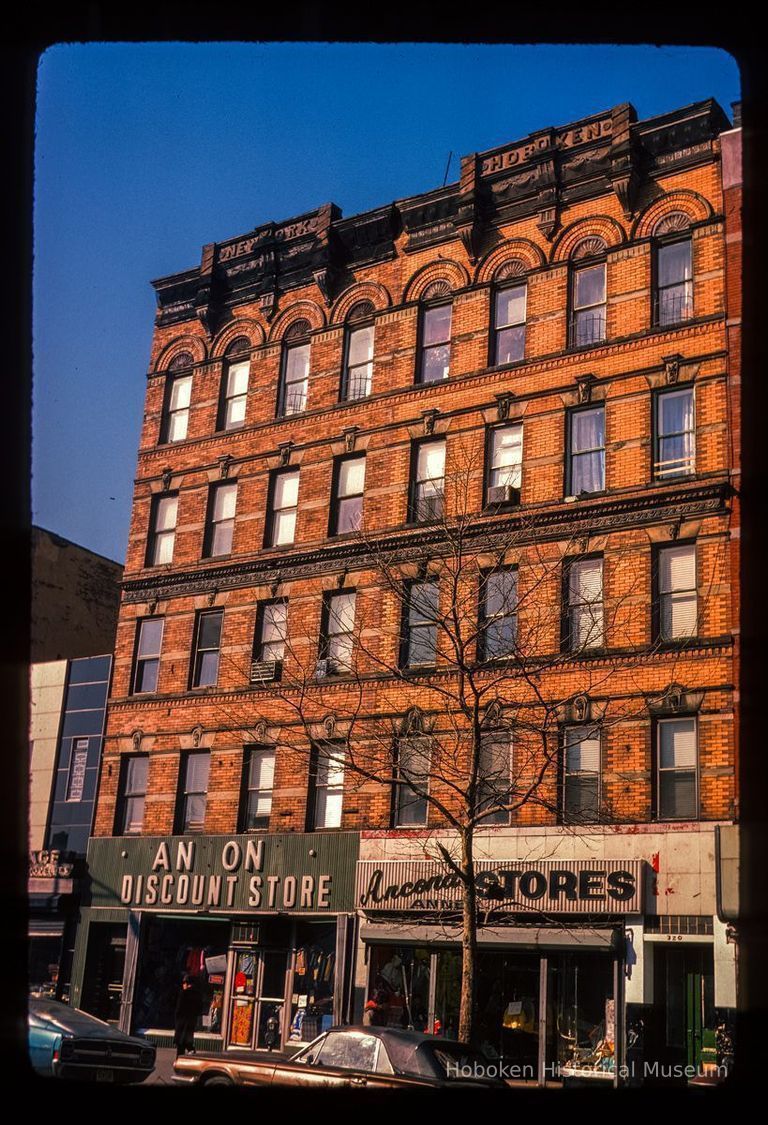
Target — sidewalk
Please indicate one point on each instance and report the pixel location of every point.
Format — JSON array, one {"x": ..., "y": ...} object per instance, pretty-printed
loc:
[{"x": 163, "y": 1072}]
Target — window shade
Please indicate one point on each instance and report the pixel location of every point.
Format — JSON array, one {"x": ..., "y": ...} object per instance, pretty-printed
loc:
[
  {"x": 678, "y": 744},
  {"x": 287, "y": 490},
  {"x": 431, "y": 463},
  {"x": 585, "y": 581},
  {"x": 167, "y": 509},
  {"x": 237, "y": 378},
  {"x": 352, "y": 477},
  {"x": 582, "y": 752},
  {"x": 224, "y": 502}
]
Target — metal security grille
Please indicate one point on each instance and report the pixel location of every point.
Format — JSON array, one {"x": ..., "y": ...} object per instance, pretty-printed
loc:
[{"x": 678, "y": 924}]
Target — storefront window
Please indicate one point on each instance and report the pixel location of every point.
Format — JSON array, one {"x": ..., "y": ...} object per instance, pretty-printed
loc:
[
  {"x": 44, "y": 958},
  {"x": 399, "y": 987},
  {"x": 314, "y": 976},
  {"x": 171, "y": 948},
  {"x": 582, "y": 1014}
]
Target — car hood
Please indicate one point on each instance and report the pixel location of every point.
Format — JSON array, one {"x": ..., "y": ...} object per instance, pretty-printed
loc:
[{"x": 74, "y": 1022}]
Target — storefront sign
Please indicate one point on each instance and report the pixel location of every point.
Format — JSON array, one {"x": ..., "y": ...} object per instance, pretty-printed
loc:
[
  {"x": 309, "y": 873},
  {"x": 49, "y": 865},
  {"x": 581, "y": 887},
  {"x": 560, "y": 139}
]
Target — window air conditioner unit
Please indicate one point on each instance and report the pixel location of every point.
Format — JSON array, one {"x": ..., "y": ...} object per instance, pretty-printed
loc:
[
  {"x": 262, "y": 671},
  {"x": 503, "y": 494},
  {"x": 325, "y": 668}
]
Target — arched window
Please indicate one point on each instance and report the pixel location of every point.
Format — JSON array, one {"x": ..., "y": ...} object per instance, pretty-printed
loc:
[
  {"x": 237, "y": 366},
  {"x": 294, "y": 380},
  {"x": 178, "y": 396},
  {"x": 588, "y": 293},
  {"x": 508, "y": 319},
  {"x": 434, "y": 353},
  {"x": 358, "y": 352},
  {"x": 673, "y": 270}
]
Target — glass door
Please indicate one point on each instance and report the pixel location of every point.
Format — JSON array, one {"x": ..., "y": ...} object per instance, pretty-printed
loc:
[{"x": 258, "y": 996}]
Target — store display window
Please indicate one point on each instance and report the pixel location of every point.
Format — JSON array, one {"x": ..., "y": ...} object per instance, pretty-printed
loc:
[
  {"x": 582, "y": 1014},
  {"x": 314, "y": 981},
  {"x": 169, "y": 949},
  {"x": 399, "y": 987}
]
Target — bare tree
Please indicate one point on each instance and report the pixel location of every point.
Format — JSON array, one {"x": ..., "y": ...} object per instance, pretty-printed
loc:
[{"x": 441, "y": 684}]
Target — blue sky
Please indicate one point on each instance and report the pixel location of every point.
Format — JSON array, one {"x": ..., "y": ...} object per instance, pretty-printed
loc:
[{"x": 144, "y": 152}]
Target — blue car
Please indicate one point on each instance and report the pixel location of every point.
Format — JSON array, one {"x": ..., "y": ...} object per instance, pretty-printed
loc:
[{"x": 67, "y": 1043}]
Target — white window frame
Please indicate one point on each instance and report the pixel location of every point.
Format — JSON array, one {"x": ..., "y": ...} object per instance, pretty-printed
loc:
[
  {"x": 274, "y": 511},
  {"x": 591, "y": 734},
  {"x": 328, "y": 797},
  {"x": 660, "y": 725},
  {"x": 235, "y": 400},
  {"x": 162, "y": 539},
  {"x": 259, "y": 795},
  {"x": 680, "y": 595},
  {"x": 221, "y": 529},
  {"x": 591, "y": 607}
]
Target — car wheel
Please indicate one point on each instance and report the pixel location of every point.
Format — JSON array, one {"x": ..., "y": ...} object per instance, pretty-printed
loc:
[{"x": 218, "y": 1080}]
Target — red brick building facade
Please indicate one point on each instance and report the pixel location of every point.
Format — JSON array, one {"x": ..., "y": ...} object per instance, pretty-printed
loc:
[{"x": 540, "y": 352}]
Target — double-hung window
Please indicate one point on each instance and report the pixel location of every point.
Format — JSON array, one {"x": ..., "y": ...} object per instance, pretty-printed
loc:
[
  {"x": 585, "y": 604},
  {"x": 435, "y": 346},
  {"x": 677, "y": 757},
  {"x": 493, "y": 783},
  {"x": 221, "y": 519},
  {"x": 283, "y": 507},
  {"x": 586, "y": 451},
  {"x": 674, "y": 282},
  {"x": 193, "y": 791},
  {"x": 505, "y": 464},
  {"x": 162, "y": 533},
  {"x": 358, "y": 359},
  {"x": 328, "y": 786},
  {"x": 581, "y": 775},
  {"x": 428, "y": 488},
  {"x": 235, "y": 397},
  {"x": 295, "y": 377},
  {"x": 508, "y": 325},
  {"x": 588, "y": 305},
  {"x": 412, "y": 781},
  {"x": 347, "y": 503},
  {"x": 337, "y": 641},
  {"x": 270, "y": 641},
  {"x": 205, "y": 665},
  {"x": 676, "y": 594},
  {"x": 421, "y": 620},
  {"x": 132, "y": 794},
  {"x": 149, "y": 639},
  {"x": 675, "y": 434},
  {"x": 498, "y": 614},
  {"x": 178, "y": 398},
  {"x": 259, "y": 784}
]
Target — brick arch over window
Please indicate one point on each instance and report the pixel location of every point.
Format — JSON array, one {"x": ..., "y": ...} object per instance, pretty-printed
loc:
[
  {"x": 371, "y": 291},
  {"x": 690, "y": 203},
  {"x": 192, "y": 345},
  {"x": 454, "y": 276},
  {"x": 301, "y": 310},
  {"x": 599, "y": 226},
  {"x": 505, "y": 256},
  {"x": 250, "y": 329}
]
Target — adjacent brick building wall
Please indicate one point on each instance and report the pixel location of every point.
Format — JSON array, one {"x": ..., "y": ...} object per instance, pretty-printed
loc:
[{"x": 521, "y": 212}]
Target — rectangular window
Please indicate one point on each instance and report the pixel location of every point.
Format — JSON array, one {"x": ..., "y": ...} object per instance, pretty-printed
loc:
[
  {"x": 505, "y": 464},
  {"x": 205, "y": 669},
  {"x": 675, "y": 453},
  {"x": 677, "y": 768},
  {"x": 193, "y": 791},
  {"x": 677, "y": 599},
  {"x": 295, "y": 379},
  {"x": 259, "y": 780},
  {"x": 586, "y": 446},
  {"x": 412, "y": 777},
  {"x": 435, "y": 350},
  {"x": 509, "y": 325},
  {"x": 221, "y": 519},
  {"x": 358, "y": 371},
  {"x": 493, "y": 790},
  {"x": 421, "y": 611},
  {"x": 162, "y": 533},
  {"x": 328, "y": 786},
  {"x": 581, "y": 775},
  {"x": 283, "y": 507},
  {"x": 271, "y": 633},
  {"x": 149, "y": 639},
  {"x": 132, "y": 794},
  {"x": 498, "y": 614},
  {"x": 588, "y": 324},
  {"x": 428, "y": 490},
  {"x": 347, "y": 505},
  {"x": 338, "y": 637},
  {"x": 235, "y": 395},
  {"x": 674, "y": 282},
  {"x": 78, "y": 763},
  {"x": 177, "y": 409},
  {"x": 585, "y": 604}
]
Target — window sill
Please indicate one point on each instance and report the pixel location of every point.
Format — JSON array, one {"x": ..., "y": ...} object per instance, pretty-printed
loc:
[
  {"x": 677, "y": 643},
  {"x": 492, "y": 507},
  {"x": 574, "y": 498}
]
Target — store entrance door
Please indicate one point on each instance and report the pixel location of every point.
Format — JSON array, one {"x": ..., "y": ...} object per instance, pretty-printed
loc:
[
  {"x": 257, "y": 998},
  {"x": 684, "y": 988}
]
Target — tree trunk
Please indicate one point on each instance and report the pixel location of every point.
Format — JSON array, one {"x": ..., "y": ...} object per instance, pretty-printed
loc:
[{"x": 468, "y": 940}]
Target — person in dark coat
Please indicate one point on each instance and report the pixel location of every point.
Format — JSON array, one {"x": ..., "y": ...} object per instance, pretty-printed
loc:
[{"x": 188, "y": 1008}]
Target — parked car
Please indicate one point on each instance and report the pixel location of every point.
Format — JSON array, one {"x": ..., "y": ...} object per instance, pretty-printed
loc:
[
  {"x": 67, "y": 1043},
  {"x": 353, "y": 1057}
]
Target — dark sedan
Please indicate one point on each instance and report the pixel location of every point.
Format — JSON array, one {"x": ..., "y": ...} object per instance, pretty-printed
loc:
[
  {"x": 352, "y": 1057},
  {"x": 67, "y": 1043}
]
